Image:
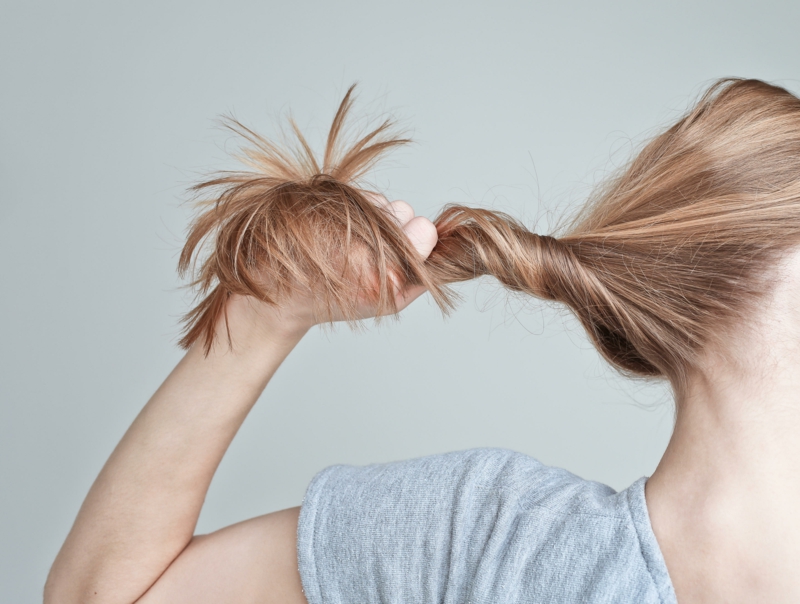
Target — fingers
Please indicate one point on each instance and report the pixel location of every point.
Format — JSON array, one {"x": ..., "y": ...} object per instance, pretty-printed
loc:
[
  {"x": 420, "y": 231},
  {"x": 422, "y": 234},
  {"x": 402, "y": 212}
]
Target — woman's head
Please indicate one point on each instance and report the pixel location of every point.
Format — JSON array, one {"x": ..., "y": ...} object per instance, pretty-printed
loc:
[
  {"x": 679, "y": 247},
  {"x": 665, "y": 259}
]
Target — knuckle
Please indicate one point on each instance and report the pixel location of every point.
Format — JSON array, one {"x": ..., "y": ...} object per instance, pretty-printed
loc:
[{"x": 402, "y": 211}]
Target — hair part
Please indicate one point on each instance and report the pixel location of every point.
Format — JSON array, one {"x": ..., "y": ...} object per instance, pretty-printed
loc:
[{"x": 662, "y": 261}]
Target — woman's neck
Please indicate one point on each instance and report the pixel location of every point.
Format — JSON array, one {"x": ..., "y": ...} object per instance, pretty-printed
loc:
[{"x": 725, "y": 499}]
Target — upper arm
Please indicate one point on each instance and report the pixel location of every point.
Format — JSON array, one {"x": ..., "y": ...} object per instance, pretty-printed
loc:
[{"x": 254, "y": 561}]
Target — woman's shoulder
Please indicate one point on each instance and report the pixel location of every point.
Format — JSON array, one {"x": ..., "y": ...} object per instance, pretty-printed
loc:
[
  {"x": 497, "y": 473},
  {"x": 470, "y": 522}
]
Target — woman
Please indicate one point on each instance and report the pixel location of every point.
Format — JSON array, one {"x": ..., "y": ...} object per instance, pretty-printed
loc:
[{"x": 685, "y": 267}]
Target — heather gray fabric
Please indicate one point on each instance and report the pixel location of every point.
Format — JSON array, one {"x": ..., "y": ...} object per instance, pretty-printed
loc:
[{"x": 484, "y": 526}]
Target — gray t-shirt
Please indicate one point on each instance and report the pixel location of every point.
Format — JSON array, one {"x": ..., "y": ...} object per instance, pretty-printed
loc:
[{"x": 484, "y": 526}]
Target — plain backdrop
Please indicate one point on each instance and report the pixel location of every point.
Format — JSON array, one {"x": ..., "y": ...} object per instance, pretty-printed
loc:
[{"x": 107, "y": 116}]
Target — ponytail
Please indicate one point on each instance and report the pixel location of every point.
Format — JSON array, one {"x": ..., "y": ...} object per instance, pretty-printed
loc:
[{"x": 666, "y": 257}]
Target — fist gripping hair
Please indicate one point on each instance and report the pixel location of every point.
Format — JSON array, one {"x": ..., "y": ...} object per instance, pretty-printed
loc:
[
  {"x": 676, "y": 249},
  {"x": 294, "y": 225}
]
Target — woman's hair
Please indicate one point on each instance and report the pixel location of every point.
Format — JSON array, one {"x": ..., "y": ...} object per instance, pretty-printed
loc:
[{"x": 665, "y": 257}]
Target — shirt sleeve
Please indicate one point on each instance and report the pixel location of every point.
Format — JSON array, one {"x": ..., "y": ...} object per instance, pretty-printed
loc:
[
  {"x": 414, "y": 531},
  {"x": 483, "y": 526}
]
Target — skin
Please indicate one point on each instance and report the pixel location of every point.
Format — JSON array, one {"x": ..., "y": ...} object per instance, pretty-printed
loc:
[
  {"x": 725, "y": 497},
  {"x": 723, "y": 501}
]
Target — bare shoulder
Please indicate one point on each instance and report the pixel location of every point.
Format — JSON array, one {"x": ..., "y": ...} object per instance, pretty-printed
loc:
[{"x": 252, "y": 561}]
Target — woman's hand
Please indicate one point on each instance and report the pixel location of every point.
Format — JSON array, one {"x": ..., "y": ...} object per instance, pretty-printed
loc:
[
  {"x": 298, "y": 313},
  {"x": 423, "y": 236}
]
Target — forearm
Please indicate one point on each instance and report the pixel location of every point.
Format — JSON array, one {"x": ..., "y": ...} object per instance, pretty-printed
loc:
[{"x": 142, "y": 509}]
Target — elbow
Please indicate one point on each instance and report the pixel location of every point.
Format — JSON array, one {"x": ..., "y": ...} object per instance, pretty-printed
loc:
[
  {"x": 57, "y": 590},
  {"x": 53, "y": 591},
  {"x": 64, "y": 588}
]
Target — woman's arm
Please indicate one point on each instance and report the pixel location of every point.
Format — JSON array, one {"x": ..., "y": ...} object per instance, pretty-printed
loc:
[{"x": 141, "y": 512}]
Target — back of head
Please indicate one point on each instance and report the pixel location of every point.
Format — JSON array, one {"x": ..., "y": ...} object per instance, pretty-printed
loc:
[
  {"x": 659, "y": 264},
  {"x": 681, "y": 245}
]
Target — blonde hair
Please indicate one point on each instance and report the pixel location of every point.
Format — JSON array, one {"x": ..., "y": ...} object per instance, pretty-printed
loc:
[{"x": 661, "y": 261}]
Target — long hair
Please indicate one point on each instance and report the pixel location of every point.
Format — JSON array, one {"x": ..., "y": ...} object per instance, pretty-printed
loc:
[{"x": 663, "y": 259}]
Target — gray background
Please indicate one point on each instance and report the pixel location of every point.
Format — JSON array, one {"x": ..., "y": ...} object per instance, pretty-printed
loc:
[{"x": 107, "y": 116}]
